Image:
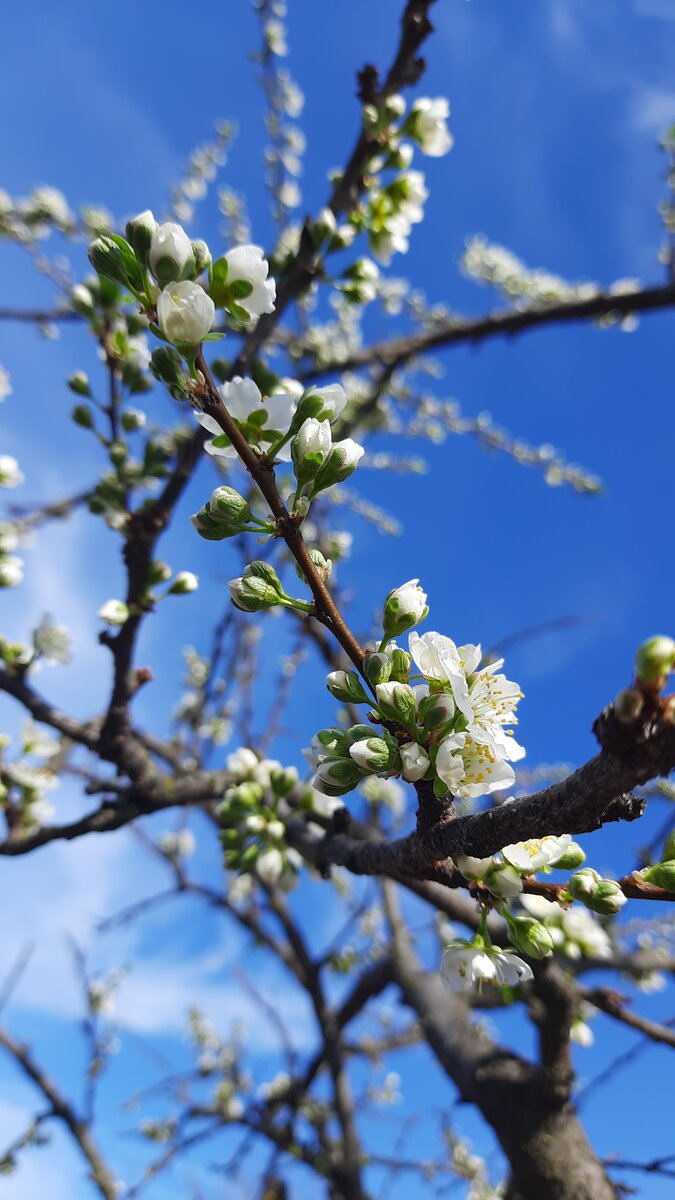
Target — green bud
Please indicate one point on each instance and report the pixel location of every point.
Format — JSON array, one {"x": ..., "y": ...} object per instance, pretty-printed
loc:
[
  {"x": 140, "y": 231},
  {"x": 339, "y": 465},
  {"x": 371, "y": 754},
  {"x": 158, "y": 572},
  {"x": 347, "y": 687},
  {"x": 209, "y": 528},
  {"x": 79, "y": 383},
  {"x": 229, "y": 508},
  {"x": 655, "y": 659},
  {"x": 530, "y": 937},
  {"x": 357, "y": 732},
  {"x": 263, "y": 570},
  {"x": 571, "y": 859},
  {"x": 132, "y": 419},
  {"x": 323, "y": 566},
  {"x": 404, "y": 607},
  {"x": 118, "y": 453},
  {"x": 503, "y": 880},
  {"x": 282, "y": 780},
  {"x": 397, "y": 702},
  {"x": 334, "y": 742},
  {"x": 339, "y": 775},
  {"x": 202, "y": 256},
  {"x": 82, "y": 415},
  {"x": 438, "y": 713},
  {"x": 607, "y": 898},
  {"x": 167, "y": 366},
  {"x": 184, "y": 583},
  {"x": 662, "y": 874},
  {"x": 583, "y": 884},
  {"x": 114, "y": 258},
  {"x": 377, "y": 668},
  {"x": 400, "y": 665},
  {"x": 252, "y": 594}
]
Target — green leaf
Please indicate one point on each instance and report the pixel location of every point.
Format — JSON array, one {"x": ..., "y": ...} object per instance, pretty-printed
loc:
[{"x": 218, "y": 286}]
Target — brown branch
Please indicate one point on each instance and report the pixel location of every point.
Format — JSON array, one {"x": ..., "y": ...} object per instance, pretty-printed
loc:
[
  {"x": 60, "y": 1108},
  {"x": 614, "y": 1005},
  {"x": 456, "y": 330}
]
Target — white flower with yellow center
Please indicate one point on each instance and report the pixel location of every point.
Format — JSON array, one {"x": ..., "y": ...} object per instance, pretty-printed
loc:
[
  {"x": 469, "y": 965},
  {"x": 438, "y": 658},
  {"x": 537, "y": 853},
  {"x": 493, "y": 701},
  {"x": 469, "y": 769}
]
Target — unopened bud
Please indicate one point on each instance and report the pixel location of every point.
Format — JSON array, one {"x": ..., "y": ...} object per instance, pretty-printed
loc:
[
  {"x": 607, "y": 898},
  {"x": 371, "y": 754},
  {"x": 655, "y": 659},
  {"x": 530, "y": 937},
  {"x": 337, "y": 776},
  {"x": 377, "y": 668},
  {"x": 669, "y": 848},
  {"x": 140, "y": 232},
  {"x": 79, "y": 383},
  {"x": 397, "y": 702},
  {"x": 323, "y": 566},
  {"x": 259, "y": 569},
  {"x": 132, "y": 419},
  {"x": 339, "y": 465},
  {"x": 438, "y": 713},
  {"x": 184, "y": 583},
  {"x": 583, "y": 884},
  {"x": 228, "y": 507},
  {"x": 82, "y": 415},
  {"x": 158, "y": 572},
  {"x": 347, "y": 687},
  {"x": 252, "y": 594},
  {"x": 201, "y": 255},
  {"x": 170, "y": 254},
  {"x": 404, "y": 607},
  {"x": 166, "y": 365},
  {"x": 415, "y": 761},
  {"x": 503, "y": 881},
  {"x": 571, "y": 859},
  {"x": 400, "y": 665},
  {"x": 662, "y": 874}
]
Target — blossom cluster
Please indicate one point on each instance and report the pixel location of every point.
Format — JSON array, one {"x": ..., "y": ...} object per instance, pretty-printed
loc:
[
  {"x": 253, "y": 836},
  {"x": 451, "y": 729}
]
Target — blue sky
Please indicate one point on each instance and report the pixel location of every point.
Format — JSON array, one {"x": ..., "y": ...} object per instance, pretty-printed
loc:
[{"x": 556, "y": 115}]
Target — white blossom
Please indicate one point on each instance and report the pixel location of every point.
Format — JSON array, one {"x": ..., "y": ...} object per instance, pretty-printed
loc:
[
  {"x": 241, "y": 763},
  {"x": 269, "y": 865},
  {"x": 249, "y": 263},
  {"x": 10, "y": 474},
  {"x": 114, "y": 612},
  {"x": 313, "y": 437},
  {"x": 430, "y": 127},
  {"x": 242, "y": 398},
  {"x": 536, "y": 853},
  {"x": 471, "y": 770},
  {"x": 438, "y": 658},
  {"x": 52, "y": 641},
  {"x": 11, "y": 571},
  {"x": 185, "y": 313}
]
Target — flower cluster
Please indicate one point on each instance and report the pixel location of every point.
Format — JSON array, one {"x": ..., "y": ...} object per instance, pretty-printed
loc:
[
  {"x": 253, "y": 836},
  {"x": 11, "y": 566},
  {"x": 449, "y": 729}
]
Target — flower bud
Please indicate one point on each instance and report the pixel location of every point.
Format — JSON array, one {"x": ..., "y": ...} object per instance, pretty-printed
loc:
[
  {"x": 377, "y": 668},
  {"x": 310, "y": 447},
  {"x": 167, "y": 366},
  {"x": 339, "y": 775},
  {"x": 339, "y": 465},
  {"x": 503, "y": 881},
  {"x": 140, "y": 232},
  {"x": 170, "y": 254},
  {"x": 158, "y": 572},
  {"x": 184, "y": 583},
  {"x": 252, "y": 594},
  {"x": 82, "y": 415},
  {"x": 415, "y": 762},
  {"x": 269, "y": 865},
  {"x": 263, "y": 570},
  {"x": 201, "y": 255},
  {"x": 79, "y": 383},
  {"x": 334, "y": 741},
  {"x": 211, "y": 529},
  {"x": 669, "y": 848},
  {"x": 227, "y": 507},
  {"x": 404, "y": 607},
  {"x": 324, "y": 226},
  {"x": 397, "y": 702},
  {"x": 438, "y": 713},
  {"x": 628, "y": 705},
  {"x": 82, "y": 300},
  {"x": 662, "y": 874},
  {"x": 571, "y": 859},
  {"x": 472, "y": 868},
  {"x": 371, "y": 754},
  {"x": 132, "y": 419},
  {"x": 323, "y": 566},
  {"x": 583, "y": 884},
  {"x": 346, "y": 687},
  {"x": 607, "y": 898},
  {"x": 255, "y": 823},
  {"x": 114, "y": 612},
  {"x": 107, "y": 258},
  {"x": 119, "y": 453},
  {"x": 530, "y": 937},
  {"x": 655, "y": 659},
  {"x": 400, "y": 665},
  {"x": 185, "y": 313}
]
